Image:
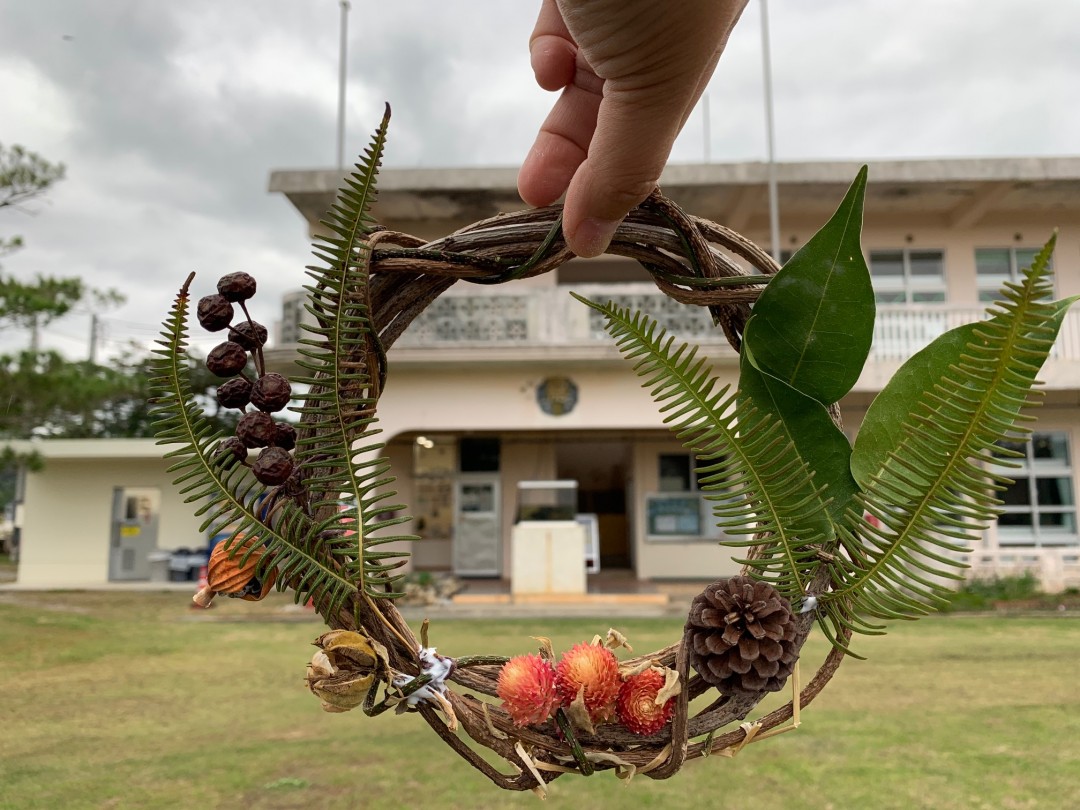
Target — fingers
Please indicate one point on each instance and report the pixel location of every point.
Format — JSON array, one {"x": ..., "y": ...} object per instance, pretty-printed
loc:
[
  {"x": 551, "y": 49},
  {"x": 606, "y": 140},
  {"x": 563, "y": 141},
  {"x": 631, "y": 143}
]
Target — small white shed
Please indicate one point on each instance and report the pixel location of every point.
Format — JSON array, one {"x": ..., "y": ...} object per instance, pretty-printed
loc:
[{"x": 99, "y": 511}]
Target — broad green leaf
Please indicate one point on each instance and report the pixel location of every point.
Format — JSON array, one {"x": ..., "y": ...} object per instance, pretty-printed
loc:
[
  {"x": 935, "y": 490},
  {"x": 807, "y": 424},
  {"x": 892, "y": 414},
  {"x": 813, "y": 325}
]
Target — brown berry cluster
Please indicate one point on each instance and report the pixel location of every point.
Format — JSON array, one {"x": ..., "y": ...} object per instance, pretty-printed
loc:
[{"x": 268, "y": 392}]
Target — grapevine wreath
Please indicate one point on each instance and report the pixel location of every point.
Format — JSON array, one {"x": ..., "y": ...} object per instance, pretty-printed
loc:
[{"x": 836, "y": 536}]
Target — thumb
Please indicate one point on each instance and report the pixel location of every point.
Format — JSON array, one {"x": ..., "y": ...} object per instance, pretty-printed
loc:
[{"x": 635, "y": 130}]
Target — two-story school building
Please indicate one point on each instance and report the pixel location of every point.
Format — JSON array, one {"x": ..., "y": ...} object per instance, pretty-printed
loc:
[{"x": 493, "y": 386}]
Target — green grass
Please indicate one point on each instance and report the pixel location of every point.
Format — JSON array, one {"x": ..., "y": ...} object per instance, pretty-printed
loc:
[{"x": 118, "y": 700}]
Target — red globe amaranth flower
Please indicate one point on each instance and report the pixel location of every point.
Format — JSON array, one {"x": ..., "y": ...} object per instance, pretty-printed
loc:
[
  {"x": 595, "y": 668},
  {"x": 527, "y": 688},
  {"x": 636, "y": 705}
]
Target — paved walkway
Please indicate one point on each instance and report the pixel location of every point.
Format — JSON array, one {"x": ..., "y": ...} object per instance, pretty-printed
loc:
[{"x": 611, "y": 594}]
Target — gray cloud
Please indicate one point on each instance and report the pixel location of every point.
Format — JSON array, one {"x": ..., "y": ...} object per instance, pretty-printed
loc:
[{"x": 171, "y": 116}]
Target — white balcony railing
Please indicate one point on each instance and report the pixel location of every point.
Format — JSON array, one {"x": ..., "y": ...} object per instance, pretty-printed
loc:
[{"x": 550, "y": 317}]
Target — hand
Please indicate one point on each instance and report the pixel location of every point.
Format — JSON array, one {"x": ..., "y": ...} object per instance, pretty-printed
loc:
[{"x": 631, "y": 72}]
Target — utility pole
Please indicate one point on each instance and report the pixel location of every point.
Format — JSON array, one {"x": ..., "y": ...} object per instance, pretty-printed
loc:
[
  {"x": 774, "y": 204},
  {"x": 94, "y": 326},
  {"x": 342, "y": 52}
]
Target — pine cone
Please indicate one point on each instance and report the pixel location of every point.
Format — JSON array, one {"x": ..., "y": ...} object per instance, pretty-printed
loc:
[{"x": 742, "y": 636}]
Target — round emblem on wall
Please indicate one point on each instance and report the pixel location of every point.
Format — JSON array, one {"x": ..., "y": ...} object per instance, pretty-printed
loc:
[{"x": 557, "y": 395}]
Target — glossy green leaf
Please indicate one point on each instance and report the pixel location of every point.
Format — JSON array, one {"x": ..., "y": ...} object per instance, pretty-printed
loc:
[
  {"x": 892, "y": 414},
  {"x": 929, "y": 497},
  {"x": 807, "y": 424},
  {"x": 813, "y": 325}
]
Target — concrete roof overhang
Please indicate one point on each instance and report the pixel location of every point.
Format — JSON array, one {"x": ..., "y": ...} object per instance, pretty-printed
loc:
[{"x": 947, "y": 192}]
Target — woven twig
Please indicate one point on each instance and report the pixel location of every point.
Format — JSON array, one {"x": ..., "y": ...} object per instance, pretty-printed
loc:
[{"x": 693, "y": 261}]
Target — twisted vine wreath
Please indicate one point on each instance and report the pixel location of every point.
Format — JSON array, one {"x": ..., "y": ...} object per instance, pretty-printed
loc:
[{"x": 834, "y": 534}]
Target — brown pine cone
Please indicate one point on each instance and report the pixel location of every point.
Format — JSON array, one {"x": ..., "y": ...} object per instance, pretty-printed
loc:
[{"x": 742, "y": 636}]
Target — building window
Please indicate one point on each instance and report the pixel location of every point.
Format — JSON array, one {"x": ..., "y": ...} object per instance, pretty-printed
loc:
[
  {"x": 908, "y": 276},
  {"x": 678, "y": 473},
  {"x": 1040, "y": 507},
  {"x": 995, "y": 266}
]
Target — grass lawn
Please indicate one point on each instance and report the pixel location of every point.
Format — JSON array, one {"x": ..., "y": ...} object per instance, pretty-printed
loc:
[{"x": 123, "y": 701}]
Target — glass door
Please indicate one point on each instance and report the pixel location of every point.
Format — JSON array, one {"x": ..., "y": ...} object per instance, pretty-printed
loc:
[{"x": 477, "y": 544}]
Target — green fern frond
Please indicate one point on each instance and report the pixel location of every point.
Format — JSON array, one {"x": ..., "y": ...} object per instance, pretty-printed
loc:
[
  {"x": 345, "y": 362},
  {"x": 759, "y": 486},
  {"x": 934, "y": 492},
  {"x": 224, "y": 490}
]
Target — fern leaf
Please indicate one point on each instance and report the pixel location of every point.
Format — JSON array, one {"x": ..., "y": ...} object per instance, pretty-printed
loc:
[
  {"x": 226, "y": 493},
  {"x": 345, "y": 364},
  {"x": 757, "y": 483},
  {"x": 932, "y": 493}
]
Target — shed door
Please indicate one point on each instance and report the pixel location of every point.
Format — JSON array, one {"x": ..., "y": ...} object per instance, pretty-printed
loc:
[
  {"x": 134, "y": 532},
  {"x": 477, "y": 544}
]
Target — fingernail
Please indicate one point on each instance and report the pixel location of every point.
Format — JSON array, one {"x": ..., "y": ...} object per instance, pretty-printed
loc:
[{"x": 593, "y": 237}]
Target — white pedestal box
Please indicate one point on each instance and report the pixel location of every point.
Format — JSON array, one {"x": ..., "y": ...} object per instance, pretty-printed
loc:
[{"x": 547, "y": 557}]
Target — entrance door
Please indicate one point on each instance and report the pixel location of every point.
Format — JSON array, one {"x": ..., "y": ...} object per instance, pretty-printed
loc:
[
  {"x": 134, "y": 532},
  {"x": 477, "y": 543}
]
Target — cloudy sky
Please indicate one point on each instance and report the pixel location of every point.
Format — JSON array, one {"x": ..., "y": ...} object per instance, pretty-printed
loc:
[{"x": 170, "y": 116}]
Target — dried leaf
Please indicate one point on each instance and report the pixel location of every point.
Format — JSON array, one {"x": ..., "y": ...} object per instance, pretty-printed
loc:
[
  {"x": 578, "y": 714},
  {"x": 627, "y": 671},
  {"x": 615, "y": 639},
  {"x": 672, "y": 687},
  {"x": 547, "y": 651}
]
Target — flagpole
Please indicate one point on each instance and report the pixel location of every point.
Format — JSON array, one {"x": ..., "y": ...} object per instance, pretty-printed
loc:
[{"x": 774, "y": 204}]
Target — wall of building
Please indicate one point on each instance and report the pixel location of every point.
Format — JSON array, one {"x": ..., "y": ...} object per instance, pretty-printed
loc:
[{"x": 702, "y": 558}]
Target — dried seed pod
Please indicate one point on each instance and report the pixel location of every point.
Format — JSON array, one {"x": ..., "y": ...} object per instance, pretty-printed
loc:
[
  {"x": 271, "y": 392},
  {"x": 284, "y": 436},
  {"x": 273, "y": 466},
  {"x": 225, "y": 574},
  {"x": 214, "y": 312},
  {"x": 230, "y": 449},
  {"x": 226, "y": 359},
  {"x": 741, "y": 635},
  {"x": 256, "y": 429},
  {"x": 236, "y": 286},
  {"x": 342, "y": 670},
  {"x": 249, "y": 334},
  {"x": 236, "y": 393}
]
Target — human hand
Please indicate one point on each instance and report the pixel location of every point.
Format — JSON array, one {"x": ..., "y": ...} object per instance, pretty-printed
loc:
[{"x": 631, "y": 72}]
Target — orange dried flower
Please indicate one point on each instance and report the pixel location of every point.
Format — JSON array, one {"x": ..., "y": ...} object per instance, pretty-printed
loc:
[
  {"x": 597, "y": 670},
  {"x": 527, "y": 688},
  {"x": 636, "y": 704}
]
